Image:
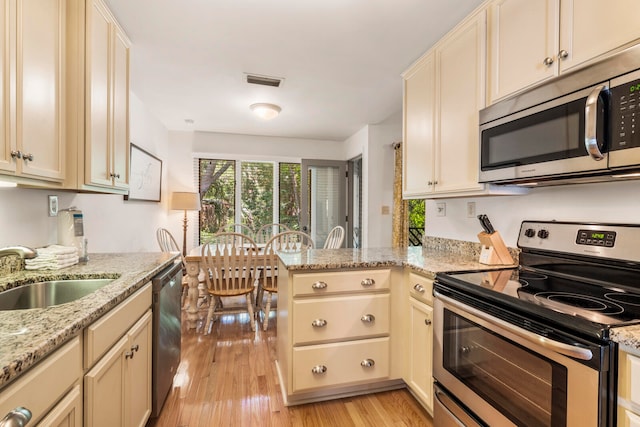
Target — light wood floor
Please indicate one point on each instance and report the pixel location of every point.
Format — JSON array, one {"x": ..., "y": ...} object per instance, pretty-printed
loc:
[{"x": 240, "y": 388}]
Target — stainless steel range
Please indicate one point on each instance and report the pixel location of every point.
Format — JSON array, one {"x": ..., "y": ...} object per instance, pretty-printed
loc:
[{"x": 530, "y": 346}]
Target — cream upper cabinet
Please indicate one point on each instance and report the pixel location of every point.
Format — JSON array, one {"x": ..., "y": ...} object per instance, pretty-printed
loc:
[
  {"x": 419, "y": 120},
  {"x": 443, "y": 93},
  {"x": 107, "y": 100},
  {"x": 532, "y": 41},
  {"x": 460, "y": 76},
  {"x": 32, "y": 97}
]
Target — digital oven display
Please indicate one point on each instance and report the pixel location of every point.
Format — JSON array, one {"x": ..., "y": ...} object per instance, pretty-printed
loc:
[{"x": 596, "y": 238}]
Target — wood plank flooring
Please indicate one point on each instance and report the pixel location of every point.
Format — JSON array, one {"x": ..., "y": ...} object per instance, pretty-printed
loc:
[{"x": 229, "y": 378}]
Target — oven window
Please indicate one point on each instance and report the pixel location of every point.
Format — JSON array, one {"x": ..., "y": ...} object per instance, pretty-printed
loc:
[{"x": 527, "y": 388}]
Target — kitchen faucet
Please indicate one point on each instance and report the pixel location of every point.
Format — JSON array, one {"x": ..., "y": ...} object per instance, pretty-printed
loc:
[{"x": 22, "y": 251}]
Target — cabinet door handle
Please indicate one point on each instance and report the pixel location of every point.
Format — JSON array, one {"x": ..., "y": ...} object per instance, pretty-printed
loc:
[
  {"x": 427, "y": 322},
  {"x": 368, "y": 282},
  {"x": 429, "y": 182},
  {"x": 419, "y": 288},
  {"x": 128, "y": 355},
  {"x": 367, "y": 363},
  {"x": 319, "y": 323},
  {"x": 319, "y": 285},
  {"x": 27, "y": 157},
  {"x": 16, "y": 154},
  {"x": 368, "y": 318},
  {"x": 548, "y": 61},
  {"x": 17, "y": 417},
  {"x": 135, "y": 348},
  {"x": 563, "y": 54},
  {"x": 319, "y": 370}
]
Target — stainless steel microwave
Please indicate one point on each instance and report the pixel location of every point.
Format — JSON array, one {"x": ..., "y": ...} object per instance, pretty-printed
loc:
[{"x": 581, "y": 127}]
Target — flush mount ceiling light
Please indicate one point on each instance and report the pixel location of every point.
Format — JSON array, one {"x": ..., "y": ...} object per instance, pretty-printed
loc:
[{"x": 265, "y": 111}]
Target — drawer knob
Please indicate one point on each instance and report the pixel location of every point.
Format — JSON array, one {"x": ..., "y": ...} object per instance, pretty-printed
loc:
[
  {"x": 319, "y": 369},
  {"x": 419, "y": 288},
  {"x": 368, "y": 282},
  {"x": 319, "y": 285},
  {"x": 367, "y": 363},
  {"x": 319, "y": 323},
  {"x": 17, "y": 417},
  {"x": 368, "y": 318}
]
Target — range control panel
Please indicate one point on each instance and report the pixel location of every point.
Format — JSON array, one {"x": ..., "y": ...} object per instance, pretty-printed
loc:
[
  {"x": 603, "y": 240},
  {"x": 596, "y": 238}
]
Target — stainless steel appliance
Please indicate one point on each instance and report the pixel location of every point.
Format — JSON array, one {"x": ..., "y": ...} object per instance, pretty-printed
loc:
[
  {"x": 167, "y": 288},
  {"x": 580, "y": 127},
  {"x": 531, "y": 346}
]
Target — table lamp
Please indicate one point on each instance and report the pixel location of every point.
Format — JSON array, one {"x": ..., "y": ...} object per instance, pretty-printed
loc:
[{"x": 185, "y": 201}]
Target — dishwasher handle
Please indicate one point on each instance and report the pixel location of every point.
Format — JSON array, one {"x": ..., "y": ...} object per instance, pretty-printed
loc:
[{"x": 17, "y": 417}]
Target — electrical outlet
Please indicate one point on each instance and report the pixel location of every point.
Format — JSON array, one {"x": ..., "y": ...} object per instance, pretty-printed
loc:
[
  {"x": 53, "y": 205},
  {"x": 441, "y": 209},
  {"x": 471, "y": 209}
]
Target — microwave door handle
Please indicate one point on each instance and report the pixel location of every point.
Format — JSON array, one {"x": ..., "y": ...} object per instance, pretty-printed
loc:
[
  {"x": 591, "y": 124},
  {"x": 559, "y": 347}
]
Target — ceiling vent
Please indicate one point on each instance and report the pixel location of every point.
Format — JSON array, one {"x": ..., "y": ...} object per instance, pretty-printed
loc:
[{"x": 264, "y": 80}]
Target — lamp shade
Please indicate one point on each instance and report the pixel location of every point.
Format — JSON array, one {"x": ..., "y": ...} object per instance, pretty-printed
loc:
[{"x": 185, "y": 201}]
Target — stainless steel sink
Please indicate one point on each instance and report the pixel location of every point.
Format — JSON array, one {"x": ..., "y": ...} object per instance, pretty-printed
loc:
[{"x": 46, "y": 294}]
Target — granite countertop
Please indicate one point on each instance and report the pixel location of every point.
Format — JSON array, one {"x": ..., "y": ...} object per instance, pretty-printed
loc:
[
  {"x": 427, "y": 260},
  {"x": 27, "y": 336}
]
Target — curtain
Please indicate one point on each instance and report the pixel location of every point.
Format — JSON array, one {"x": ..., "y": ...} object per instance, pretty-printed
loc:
[{"x": 400, "y": 218}]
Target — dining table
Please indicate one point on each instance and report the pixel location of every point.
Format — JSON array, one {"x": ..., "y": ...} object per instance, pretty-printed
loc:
[{"x": 193, "y": 265}]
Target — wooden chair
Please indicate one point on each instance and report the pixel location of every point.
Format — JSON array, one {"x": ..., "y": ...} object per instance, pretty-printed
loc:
[
  {"x": 335, "y": 238},
  {"x": 237, "y": 228},
  {"x": 288, "y": 241},
  {"x": 266, "y": 232},
  {"x": 229, "y": 261},
  {"x": 167, "y": 243}
]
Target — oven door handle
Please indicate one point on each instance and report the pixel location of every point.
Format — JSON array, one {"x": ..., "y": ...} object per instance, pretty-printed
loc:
[{"x": 562, "y": 348}]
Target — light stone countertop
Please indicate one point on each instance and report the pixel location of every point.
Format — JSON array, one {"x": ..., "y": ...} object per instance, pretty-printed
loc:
[{"x": 27, "y": 336}]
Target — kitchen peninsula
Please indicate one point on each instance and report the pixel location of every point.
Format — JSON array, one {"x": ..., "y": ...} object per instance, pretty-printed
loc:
[{"x": 354, "y": 321}]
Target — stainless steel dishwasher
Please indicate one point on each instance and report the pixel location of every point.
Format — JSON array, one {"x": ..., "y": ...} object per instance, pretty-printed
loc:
[{"x": 167, "y": 288}]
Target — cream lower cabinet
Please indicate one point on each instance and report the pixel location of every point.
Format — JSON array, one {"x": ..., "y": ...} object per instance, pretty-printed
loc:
[
  {"x": 337, "y": 331},
  {"x": 118, "y": 351},
  {"x": 419, "y": 372},
  {"x": 628, "y": 389},
  {"x": 51, "y": 390}
]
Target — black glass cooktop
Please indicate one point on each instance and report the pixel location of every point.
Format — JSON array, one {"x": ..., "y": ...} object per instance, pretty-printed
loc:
[{"x": 591, "y": 305}]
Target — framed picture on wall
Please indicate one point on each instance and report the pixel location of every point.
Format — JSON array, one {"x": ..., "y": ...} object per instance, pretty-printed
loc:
[{"x": 145, "y": 175}]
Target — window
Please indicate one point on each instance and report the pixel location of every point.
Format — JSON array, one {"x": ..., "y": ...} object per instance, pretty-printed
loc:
[
  {"x": 415, "y": 212},
  {"x": 246, "y": 192}
]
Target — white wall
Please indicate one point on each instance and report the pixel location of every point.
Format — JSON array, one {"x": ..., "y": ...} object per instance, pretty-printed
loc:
[
  {"x": 606, "y": 202},
  {"x": 111, "y": 224}
]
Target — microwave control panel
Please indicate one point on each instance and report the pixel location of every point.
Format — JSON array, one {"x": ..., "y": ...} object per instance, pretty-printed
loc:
[{"x": 625, "y": 120}]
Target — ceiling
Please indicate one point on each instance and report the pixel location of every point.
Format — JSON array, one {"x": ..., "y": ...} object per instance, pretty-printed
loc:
[{"x": 341, "y": 60}]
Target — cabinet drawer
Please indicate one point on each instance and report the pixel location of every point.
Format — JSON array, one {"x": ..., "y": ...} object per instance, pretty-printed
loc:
[
  {"x": 103, "y": 334},
  {"x": 340, "y": 282},
  {"x": 342, "y": 317},
  {"x": 421, "y": 288},
  {"x": 41, "y": 387},
  {"x": 340, "y": 363}
]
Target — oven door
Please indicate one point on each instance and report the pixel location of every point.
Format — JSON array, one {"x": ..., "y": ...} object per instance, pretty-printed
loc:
[
  {"x": 507, "y": 375},
  {"x": 559, "y": 137}
]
